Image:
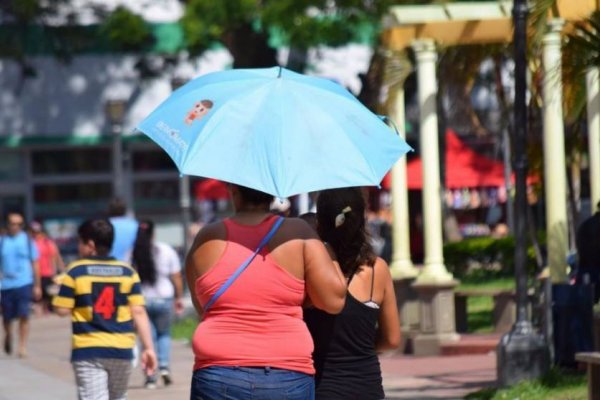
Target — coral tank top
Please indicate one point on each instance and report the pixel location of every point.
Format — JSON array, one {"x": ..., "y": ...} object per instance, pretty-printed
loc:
[{"x": 257, "y": 322}]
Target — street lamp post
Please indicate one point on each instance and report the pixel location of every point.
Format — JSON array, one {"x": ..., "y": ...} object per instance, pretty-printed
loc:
[
  {"x": 115, "y": 114},
  {"x": 184, "y": 186},
  {"x": 522, "y": 353}
]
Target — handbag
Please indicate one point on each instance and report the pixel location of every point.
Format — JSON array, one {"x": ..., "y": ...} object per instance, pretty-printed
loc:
[{"x": 244, "y": 265}]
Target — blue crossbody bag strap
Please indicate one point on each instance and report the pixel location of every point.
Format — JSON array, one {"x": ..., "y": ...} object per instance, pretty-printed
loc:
[{"x": 245, "y": 265}]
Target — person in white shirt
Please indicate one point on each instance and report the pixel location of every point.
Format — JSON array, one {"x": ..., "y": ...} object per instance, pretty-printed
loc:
[{"x": 159, "y": 268}]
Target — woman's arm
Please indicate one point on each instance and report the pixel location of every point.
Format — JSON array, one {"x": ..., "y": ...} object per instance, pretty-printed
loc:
[
  {"x": 191, "y": 274},
  {"x": 57, "y": 259},
  {"x": 325, "y": 282},
  {"x": 204, "y": 252},
  {"x": 178, "y": 285},
  {"x": 388, "y": 331}
]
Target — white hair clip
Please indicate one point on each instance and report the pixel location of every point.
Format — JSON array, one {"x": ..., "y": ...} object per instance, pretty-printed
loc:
[{"x": 341, "y": 217}]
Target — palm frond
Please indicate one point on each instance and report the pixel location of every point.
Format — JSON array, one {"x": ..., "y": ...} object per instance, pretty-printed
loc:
[
  {"x": 538, "y": 19},
  {"x": 582, "y": 50}
]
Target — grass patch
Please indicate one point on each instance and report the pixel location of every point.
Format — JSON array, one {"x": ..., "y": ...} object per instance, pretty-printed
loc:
[
  {"x": 184, "y": 328},
  {"x": 557, "y": 384},
  {"x": 479, "y": 283},
  {"x": 479, "y": 314},
  {"x": 479, "y": 308}
]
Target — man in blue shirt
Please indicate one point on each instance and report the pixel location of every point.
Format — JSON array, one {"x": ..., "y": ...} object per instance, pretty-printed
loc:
[
  {"x": 125, "y": 230},
  {"x": 20, "y": 282}
]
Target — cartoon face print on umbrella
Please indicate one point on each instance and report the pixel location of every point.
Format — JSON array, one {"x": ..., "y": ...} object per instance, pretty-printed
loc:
[{"x": 200, "y": 109}]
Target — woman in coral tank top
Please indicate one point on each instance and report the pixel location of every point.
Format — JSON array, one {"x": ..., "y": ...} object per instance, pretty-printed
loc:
[{"x": 252, "y": 341}]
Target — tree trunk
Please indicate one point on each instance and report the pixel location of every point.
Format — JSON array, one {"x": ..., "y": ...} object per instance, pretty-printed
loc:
[
  {"x": 250, "y": 49},
  {"x": 371, "y": 83},
  {"x": 297, "y": 59}
]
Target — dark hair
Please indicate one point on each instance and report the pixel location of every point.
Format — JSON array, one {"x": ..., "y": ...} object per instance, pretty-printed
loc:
[
  {"x": 254, "y": 196},
  {"x": 117, "y": 208},
  {"x": 100, "y": 231},
  {"x": 142, "y": 259},
  {"x": 349, "y": 240}
]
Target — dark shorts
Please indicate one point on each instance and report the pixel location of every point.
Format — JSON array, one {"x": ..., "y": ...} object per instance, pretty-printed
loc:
[
  {"x": 222, "y": 383},
  {"x": 16, "y": 302}
]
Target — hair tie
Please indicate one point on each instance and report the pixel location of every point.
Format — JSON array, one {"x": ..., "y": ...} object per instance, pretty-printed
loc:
[{"x": 341, "y": 217}]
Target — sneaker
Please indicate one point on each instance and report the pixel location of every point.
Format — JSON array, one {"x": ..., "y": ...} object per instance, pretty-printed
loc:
[
  {"x": 150, "y": 382},
  {"x": 166, "y": 376}
]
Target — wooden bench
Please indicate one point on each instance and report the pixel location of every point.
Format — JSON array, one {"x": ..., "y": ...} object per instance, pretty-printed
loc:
[
  {"x": 503, "y": 313},
  {"x": 592, "y": 360}
]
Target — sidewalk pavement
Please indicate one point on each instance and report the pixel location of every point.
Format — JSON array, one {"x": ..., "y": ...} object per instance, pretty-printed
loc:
[{"x": 47, "y": 374}]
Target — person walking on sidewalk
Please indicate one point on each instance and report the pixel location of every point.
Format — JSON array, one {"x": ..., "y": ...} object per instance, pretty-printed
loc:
[
  {"x": 125, "y": 230},
  {"x": 20, "y": 282},
  {"x": 346, "y": 344},
  {"x": 159, "y": 268},
  {"x": 50, "y": 262},
  {"x": 252, "y": 342},
  {"x": 104, "y": 299}
]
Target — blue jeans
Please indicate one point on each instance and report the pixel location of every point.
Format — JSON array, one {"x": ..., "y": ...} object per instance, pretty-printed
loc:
[
  {"x": 160, "y": 313},
  {"x": 264, "y": 383}
]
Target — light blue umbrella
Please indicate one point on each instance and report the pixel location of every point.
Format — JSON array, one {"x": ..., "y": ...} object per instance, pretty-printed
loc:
[{"x": 273, "y": 130}]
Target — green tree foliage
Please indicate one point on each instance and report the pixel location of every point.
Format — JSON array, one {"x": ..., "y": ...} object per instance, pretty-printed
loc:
[
  {"x": 126, "y": 31},
  {"x": 244, "y": 27},
  {"x": 31, "y": 27},
  {"x": 22, "y": 21}
]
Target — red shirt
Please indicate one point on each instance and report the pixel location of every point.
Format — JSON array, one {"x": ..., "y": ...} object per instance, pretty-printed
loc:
[
  {"x": 48, "y": 251},
  {"x": 258, "y": 320}
]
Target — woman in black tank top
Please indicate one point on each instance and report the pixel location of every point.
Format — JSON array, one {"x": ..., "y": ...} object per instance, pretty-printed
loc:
[{"x": 346, "y": 345}]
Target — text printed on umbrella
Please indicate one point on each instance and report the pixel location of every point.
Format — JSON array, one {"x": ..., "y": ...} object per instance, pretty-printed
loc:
[{"x": 173, "y": 134}]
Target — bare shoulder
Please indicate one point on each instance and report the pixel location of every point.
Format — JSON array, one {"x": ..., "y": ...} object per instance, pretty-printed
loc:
[
  {"x": 214, "y": 231},
  {"x": 207, "y": 247},
  {"x": 382, "y": 269}
]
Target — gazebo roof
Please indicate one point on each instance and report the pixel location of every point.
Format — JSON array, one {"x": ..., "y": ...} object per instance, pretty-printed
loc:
[{"x": 463, "y": 23}]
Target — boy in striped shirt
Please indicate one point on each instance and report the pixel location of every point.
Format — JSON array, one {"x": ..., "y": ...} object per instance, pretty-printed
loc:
[{"x": 103, "y": 298}]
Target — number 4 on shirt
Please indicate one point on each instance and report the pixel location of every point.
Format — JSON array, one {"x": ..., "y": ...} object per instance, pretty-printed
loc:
[{"x": 105, "y": 302}]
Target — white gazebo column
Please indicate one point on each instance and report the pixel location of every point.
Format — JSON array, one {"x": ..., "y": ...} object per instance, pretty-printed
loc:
[
  {"x": 554, "y": 154},
  {"x": 434, "y": 269},
  {"x": 401, "y": 264},
  {"x": 401, "y": 267},
  {"x": 434, "y": 285},
  {"x": 593, "y": 123}
]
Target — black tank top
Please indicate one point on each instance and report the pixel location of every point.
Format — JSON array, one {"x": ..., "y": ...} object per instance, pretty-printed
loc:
[{"x": 346, "y": 363}]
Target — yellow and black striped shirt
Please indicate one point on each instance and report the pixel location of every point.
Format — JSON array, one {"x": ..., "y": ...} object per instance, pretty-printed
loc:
[{"x": 100, "y": 291}]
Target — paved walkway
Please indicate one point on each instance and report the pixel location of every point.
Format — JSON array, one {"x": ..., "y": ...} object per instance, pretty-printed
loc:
[{"x": 47, "y": 373}]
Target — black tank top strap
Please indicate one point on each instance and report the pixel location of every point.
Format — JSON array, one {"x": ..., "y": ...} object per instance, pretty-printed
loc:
[{"x": 372, "y": 283}]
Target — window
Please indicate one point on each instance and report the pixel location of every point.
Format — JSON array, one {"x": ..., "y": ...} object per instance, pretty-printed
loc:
[
  {"x": 157, "y": 192},
  {"x": 76, "y": 161},
  {"x": 72, "y": 199},
  {"x": 11, "y": 166},
  {"x": 152, "y": 161}
]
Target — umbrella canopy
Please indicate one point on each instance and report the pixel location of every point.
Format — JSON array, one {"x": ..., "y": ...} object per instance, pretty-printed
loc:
[{"x": 273, "y": 130}]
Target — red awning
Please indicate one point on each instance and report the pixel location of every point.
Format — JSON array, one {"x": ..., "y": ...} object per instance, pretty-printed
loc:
[
  {"x": 465, "y": 168},
  {"x": 211, "y": 189}
]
